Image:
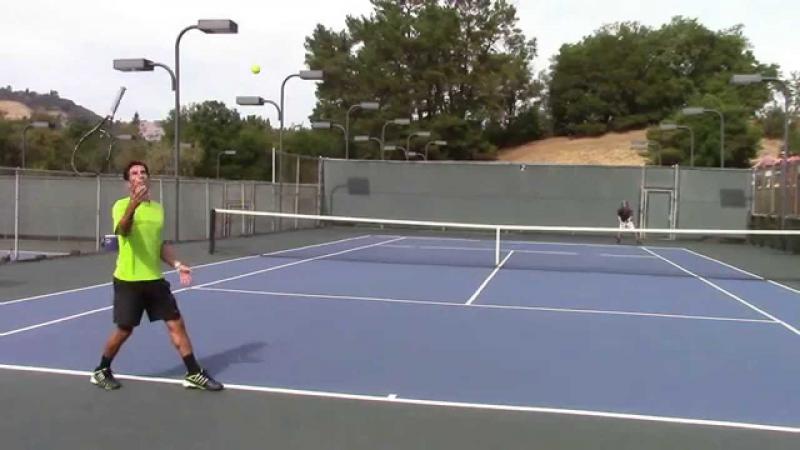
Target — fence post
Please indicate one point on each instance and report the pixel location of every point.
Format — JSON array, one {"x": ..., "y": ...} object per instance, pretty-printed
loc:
[
  {"x": 15, "y": 252},
  {"x": 97, "y": 218},
  {"x": 244, "y": 206},
  {"x": 212, "y": 230},
  {"x": 297, "y": 191},
  {"x": 320, "y": 206},
  {"x": 208, "y": 208}
]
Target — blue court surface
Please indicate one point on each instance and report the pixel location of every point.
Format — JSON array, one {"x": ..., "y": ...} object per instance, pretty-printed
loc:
[{"x": 625, "y": 332}]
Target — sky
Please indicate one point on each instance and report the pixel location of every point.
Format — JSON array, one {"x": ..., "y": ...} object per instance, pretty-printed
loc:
[{"x": 69, "y": 46}]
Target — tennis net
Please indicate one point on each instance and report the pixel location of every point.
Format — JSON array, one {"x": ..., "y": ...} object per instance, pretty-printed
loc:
[{"x": 706, "y": 253}]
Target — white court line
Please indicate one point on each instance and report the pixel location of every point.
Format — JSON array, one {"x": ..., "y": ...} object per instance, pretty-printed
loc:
[
  {"x": 337, "y": 241},
  {"x": 580, "y": 244},
  {"x": 547, "y": 252},
  {"x": 735, "y": 297},
  {"x": 538, "y": 252},
  {"x": 528, "y": 243},
  {"x": 488, "y": 279},
  {"x": 225, "y": 261},
  {"x": 332, "y": 296},
  {"x": 437, "y": 403},
  {"x": 784, "y": 286},
  {"x": 293, "y": 263},
  {"x": 755, "y": 277},
  {"x": 439, "y": 247},
  {"x": 54, "y": 321},
  {"x": 479, "y": 249},
  {"x": 430, "y": 238},
  {"x": 487, "y": 306},
  {"x": 610, "y": 255},
  {"x": 69, "y": 291}
]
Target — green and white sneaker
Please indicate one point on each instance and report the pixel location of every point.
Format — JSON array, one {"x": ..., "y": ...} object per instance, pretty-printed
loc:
[
  {"x": 201, "y": 380},
  {"x": 104, "y": 378}
]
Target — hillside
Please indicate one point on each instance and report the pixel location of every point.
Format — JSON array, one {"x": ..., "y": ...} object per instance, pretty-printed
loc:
[
  {"x": 612, "y": 149},
  {"x": 11, "y": 110},
  {"x": 21, "y": 104}
]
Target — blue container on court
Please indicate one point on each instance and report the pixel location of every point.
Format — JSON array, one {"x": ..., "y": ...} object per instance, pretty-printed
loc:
[{"x": 110, "y": 243}]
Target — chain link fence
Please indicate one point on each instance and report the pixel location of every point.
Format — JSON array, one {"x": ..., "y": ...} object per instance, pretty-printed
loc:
[{"x": 45, "y": 213}]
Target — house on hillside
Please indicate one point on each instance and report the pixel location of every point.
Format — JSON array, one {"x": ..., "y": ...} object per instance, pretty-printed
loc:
[{"x": 151, "y": 131}]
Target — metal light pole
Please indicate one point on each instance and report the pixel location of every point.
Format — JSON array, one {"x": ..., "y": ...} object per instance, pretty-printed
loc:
[
  {"x": 304, "y": 75},
  {"x": 672, "y": 127},
  {"x": 223, "y": 26},
  {"x": 367, "y": 138},
  {"x": 327, "y": 125},
  {"x": 398, "y": 121},
  {"x": 439, "y": 143},
  {"x": 416, "y": 133},
  {"x": 258, "y": 101},
  {"x": 369, "y": 106},
  {"x": 696, "y": 110},
  {"x": 36, "y": 124},
  {"x": 220, "y": 26},
  {"x": 310, "y": 75},
  {"x": 658, "y": 149},
  {"x": 219, "y": 156},
  {"x": 641, "y": 146},
  {"x": 390, "y": 148},
  {"x": 758, "y": 78}
]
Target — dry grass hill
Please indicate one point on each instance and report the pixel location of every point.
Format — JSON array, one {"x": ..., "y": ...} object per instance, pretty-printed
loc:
[
  {"x": 11, "y": 110},
  {"x": 612, "y": 149},
  {"x": 21, "y": 105}
]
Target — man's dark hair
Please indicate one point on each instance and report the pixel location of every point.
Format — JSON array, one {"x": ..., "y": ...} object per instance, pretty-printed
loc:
[{"x": 126, "y": 174}]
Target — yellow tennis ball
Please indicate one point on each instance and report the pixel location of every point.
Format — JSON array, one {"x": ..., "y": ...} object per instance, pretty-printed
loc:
[{"x": 255, "y": 68}]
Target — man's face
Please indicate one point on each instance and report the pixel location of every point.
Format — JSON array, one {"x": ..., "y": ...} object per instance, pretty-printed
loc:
[{"x": 137, "y": 175}]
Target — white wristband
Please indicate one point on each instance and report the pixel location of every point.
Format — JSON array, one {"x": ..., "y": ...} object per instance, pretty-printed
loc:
[{"x": 177, "y": 264}]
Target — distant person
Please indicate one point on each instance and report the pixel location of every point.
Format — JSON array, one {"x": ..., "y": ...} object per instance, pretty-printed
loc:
[
  {"x": 139, "y": 285},
  {"x": 625, "y": 216}
]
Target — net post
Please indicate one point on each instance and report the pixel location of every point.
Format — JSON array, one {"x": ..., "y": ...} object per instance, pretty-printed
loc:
[
  {"x": 497, "y": 246},
  {"x": 211, "y": 230}
]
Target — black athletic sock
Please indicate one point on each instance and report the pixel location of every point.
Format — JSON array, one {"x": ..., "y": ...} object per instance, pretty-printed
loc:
[
  {"x": 105, "y": 363},
  {"x": 191, "y": 364}
]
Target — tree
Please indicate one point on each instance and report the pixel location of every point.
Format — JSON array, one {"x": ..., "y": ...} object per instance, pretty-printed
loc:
[
  {"x": 741, "y": 135},
  {"x": 627, "y": 75},
  {"x": 253, "y": 146},
  {"x": 772, "y": 118},
  {"x": 9, "y": 151},
  {"x": 460, "y": 63},
  {"x": 209, "y": 127}
]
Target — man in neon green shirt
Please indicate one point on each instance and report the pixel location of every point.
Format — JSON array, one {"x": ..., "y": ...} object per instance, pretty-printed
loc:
[{"x": 139, "y": 285}]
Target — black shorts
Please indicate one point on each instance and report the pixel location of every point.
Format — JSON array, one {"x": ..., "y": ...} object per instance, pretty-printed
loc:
[{"x": 132, "y": 298}]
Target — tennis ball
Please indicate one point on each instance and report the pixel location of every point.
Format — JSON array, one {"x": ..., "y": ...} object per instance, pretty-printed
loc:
[{"x": 255, "y": 68}]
